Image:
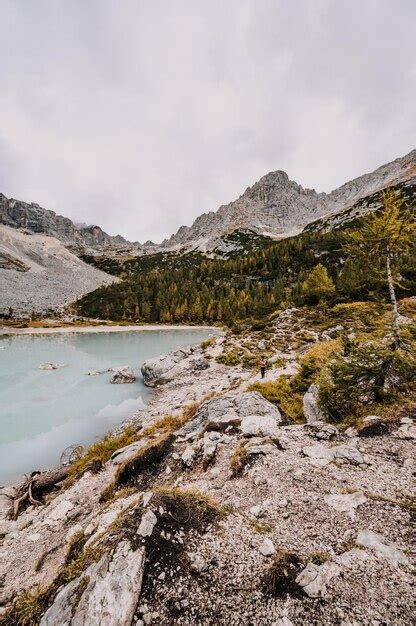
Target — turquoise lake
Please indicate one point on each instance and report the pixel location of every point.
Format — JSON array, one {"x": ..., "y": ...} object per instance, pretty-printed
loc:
[{"x": 42, "y": 412}]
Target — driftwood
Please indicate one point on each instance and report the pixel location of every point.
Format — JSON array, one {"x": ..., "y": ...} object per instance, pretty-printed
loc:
[{"x": 35, "y": 487}]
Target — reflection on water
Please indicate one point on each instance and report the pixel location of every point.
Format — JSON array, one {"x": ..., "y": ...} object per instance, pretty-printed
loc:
[{"x": 44, "y": 411}]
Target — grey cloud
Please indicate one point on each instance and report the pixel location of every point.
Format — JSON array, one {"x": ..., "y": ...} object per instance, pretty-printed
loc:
[{"x": 140, "y": 115}]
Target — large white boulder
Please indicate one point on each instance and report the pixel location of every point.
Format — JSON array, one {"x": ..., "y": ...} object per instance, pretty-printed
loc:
[
  {"x": 165, "y": 368},
  {"x": 259, "y": 426},
  {"x": 229, "y": 410},
  {"x": 110, "y": 596},
  {"x": 311, "y": 410}
]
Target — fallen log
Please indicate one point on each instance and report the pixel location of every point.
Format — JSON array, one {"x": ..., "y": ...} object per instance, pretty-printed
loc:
[{"x": 35, "y": 487}]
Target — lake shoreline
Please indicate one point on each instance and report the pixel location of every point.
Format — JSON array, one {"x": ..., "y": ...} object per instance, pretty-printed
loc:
[
  {"x": 161, "y": 342},
  {"x": 7, "y": 331}
]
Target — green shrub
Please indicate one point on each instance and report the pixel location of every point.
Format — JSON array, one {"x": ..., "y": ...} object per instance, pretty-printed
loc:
[
  {"x": 250, "y": 360},
  {"x": 280, "y": 392},
  {"x": 231, "y": 358},
  {"x": 364, "y": 374},
  {"x": 313, "y": 361},
  {"x": 318, "y": 285}
]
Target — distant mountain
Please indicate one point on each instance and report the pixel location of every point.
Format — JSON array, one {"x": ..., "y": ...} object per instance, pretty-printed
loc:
[
  {"x": 81, "y": 238},
  {"x": 274, "y": 207},
  {"x": 277, "y": 207}
]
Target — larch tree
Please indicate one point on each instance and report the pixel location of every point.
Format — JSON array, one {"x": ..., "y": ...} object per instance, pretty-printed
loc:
[
  {"x": 318, "y": 284},
  {"x": 383, "y": 238}
]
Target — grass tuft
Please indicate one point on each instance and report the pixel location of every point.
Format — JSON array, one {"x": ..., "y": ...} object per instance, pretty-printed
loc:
[
  {"x": 238, "y": 460},
  {"x": 101, "y": 451},
  {"x": 280, "y": 578}
]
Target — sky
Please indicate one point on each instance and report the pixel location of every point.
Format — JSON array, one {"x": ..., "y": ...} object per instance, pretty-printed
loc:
[{"x": 139, "y": 115}]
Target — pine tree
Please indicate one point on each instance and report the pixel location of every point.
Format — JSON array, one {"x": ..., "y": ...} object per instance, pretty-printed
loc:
[{"x": 385, "y": 236}]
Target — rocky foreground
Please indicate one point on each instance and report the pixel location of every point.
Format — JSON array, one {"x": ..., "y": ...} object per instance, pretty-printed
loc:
[{"x": 220, "y": 512}]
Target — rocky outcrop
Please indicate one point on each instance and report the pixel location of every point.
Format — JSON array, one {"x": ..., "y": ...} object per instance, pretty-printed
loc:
[
  {"x": 32, "y": 218},
  {"x": 167, "y": 367},
  {"x": 53, "y": 276},
  {"x": 276, "y": 206},
  {"x": 249, "y": 411},
  {"x": 311, "y": 409},
  {"x": 106, "y": 593},
  {"x": 122, "y": 375}
]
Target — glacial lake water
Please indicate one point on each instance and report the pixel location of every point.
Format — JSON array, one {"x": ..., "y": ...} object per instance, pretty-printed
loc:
[{"x": 42, "y": 412}]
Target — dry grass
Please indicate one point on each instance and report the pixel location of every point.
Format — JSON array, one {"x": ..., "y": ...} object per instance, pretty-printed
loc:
[
  {"x": 281, "y": 393},
  {"x": 279, "y": 579},
  {"x": 259, "y": 526},
  {"x": 189, "y": 507},
  {"x": 27, "y": 609},
  {"x": 238, "y": 460},
  {"x": 101, "y": 451}
]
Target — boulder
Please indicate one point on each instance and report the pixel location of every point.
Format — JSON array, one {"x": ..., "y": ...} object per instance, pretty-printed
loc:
[
  {"x": 406, "y": 431},
  {"x": 122, "y": 375},
  {"x": 124, "y": 454},
  {"x": 147, "y": 524},
  {"x": 314, "y": 578},
  {"x": 109, "y": 595},
  {"x": 348, "y": 454},
  {"x": 322, "y": 455},
  {"x": 322, "y": 430},
  {"x": 253, "y": 403},
  {"x": 209, "y": 448},
  {"x": 189, "y": 455},
  {"x": 229, "y": 410},
  {"x": 51, "y": 366},
  {"x": 165, "y": 368},
  {"x": 259, "y": 426},
  {"x": 311, "y": 410},
  {"x": 382, "y": 548},
  {"x": 373, "y": 425},
  {"x": 319, "y": 454}
]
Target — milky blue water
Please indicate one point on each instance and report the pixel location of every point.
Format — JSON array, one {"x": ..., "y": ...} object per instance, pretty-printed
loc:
[{"x": 43, "y": 412}]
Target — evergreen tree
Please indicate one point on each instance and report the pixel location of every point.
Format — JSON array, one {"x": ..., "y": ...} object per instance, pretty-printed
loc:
[
  {"x": 383, "y": 238},
  {"x": 318, "y": 284}
]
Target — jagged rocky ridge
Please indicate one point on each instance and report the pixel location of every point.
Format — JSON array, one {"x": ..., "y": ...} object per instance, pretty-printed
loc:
[
  {"x": 277, "y": 206},
  {"x": 32, "y": 218},
  {"x": 274, "y": 206}
]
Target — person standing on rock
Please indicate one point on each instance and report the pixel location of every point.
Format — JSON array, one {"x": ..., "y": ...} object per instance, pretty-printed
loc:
[{"x": 263, "y": 365}]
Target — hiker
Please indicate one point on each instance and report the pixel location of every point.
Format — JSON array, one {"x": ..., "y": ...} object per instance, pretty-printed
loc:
[{"x": 263, "y": 365}]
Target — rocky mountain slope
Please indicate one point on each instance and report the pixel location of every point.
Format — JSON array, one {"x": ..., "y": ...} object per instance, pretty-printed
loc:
[
  {"x": 38, "y": 273},
  {"x": 279, "y": 207}
]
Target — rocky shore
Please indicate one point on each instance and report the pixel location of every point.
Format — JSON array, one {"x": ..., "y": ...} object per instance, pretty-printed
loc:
[{"x": 220, "y": 510}]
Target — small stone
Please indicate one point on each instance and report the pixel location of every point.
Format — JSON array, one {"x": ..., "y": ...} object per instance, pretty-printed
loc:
[
  {"x": 267, "y": 548},
  {"x": 147, "y": 496},
  {"x": 147, "y": 524},
  {"x": 256, "y": 510},
  {"x": 198, "y": 563}
]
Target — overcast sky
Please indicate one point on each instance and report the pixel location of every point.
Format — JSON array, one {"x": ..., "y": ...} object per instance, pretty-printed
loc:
[{"x": 140, "y": 115}]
